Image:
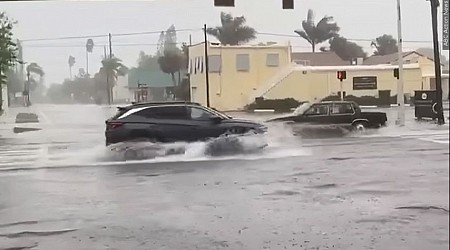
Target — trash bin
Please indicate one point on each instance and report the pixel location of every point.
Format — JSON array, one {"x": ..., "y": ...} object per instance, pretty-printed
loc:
[{"x": 425, "y": 103}]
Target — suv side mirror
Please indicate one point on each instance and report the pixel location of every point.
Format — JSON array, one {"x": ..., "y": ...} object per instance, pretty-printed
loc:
[{"x": 216, "y": 119}]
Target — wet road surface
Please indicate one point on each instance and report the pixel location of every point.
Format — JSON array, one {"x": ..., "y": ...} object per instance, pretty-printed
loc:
[{"x": 59, "y": 189}]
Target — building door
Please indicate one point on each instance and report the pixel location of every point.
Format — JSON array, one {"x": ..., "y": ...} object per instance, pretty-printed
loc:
[
  {"x": 194, "y": 94},
  {"x": 384, "y": 97}
]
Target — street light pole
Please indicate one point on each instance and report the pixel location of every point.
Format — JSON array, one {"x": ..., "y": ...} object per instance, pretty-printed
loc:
[
  {"x": 400, "y": 94},
  {"x": 437, "y": 62},
  {"x": 206, "y": 65}
]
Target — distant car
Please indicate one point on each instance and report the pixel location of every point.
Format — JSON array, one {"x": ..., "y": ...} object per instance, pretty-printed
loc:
[
  {"x": 335, "y": 113},
  {"x": 174, "y": 122}
]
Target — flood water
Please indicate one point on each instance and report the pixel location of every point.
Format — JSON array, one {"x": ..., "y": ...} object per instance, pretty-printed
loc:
[{"x": 60, "y": 188}]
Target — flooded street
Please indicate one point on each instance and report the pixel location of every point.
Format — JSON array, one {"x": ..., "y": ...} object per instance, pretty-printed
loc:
[{"x": 60, "y": 188}]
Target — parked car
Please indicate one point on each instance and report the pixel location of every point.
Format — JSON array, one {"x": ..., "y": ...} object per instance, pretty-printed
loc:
[
  {"x": 173, "y": 122},
  {"x": 335, "y": 113}
]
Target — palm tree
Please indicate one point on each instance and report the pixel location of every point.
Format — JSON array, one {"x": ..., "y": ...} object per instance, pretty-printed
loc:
[
  {"x": 233, "y": 30},
  {"x": 35, "y": 69},
  {"x": 316, "y": 34},
  {"x": 71, "y": 63},
  {"x": 112, "y": 68}
]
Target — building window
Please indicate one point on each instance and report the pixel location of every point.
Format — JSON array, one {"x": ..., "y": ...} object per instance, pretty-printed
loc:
[
  {"x": 198, "y": 65},
  {"x": 215, "y": 63},
  {"x": 364, "y": 82},
  {"x": 273, "y": 60},
  {"x": 242, "y": 62}
]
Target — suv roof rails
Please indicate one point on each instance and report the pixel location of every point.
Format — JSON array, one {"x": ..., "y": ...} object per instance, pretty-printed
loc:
[{"x": 163, "y": 103}]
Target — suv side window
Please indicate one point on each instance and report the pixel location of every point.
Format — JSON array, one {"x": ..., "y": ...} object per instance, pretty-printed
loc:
[
  {"x": 317, "y": 109},
  {"x": 164, "y": 112},
  {"x": 342, "y": 109},
  {"x": 195, "y": 113}
]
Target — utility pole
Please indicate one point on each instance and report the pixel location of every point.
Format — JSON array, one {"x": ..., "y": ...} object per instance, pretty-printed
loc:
[
  {"x": 400, "y": 94},
  {"x": 206, "y": 65},
  {"x": 107, "y": 71},
  {"x": 437, "y": 62}
]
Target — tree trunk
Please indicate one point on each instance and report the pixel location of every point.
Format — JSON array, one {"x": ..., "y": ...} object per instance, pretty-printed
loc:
[
  {"x": 173, "y": 79},
  {"x": 313, "y": 47}
]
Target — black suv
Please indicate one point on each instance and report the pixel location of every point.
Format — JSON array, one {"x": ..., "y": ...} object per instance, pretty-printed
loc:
[{"x": 172, "y": 122}]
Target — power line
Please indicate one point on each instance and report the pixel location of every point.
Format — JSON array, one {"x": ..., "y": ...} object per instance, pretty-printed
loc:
[
  {"x": 350, "y": 39},
  {"x": 106, "y": 35},
  {"x": 179, "y": 30},
  {"x": 83, "y": 46}
]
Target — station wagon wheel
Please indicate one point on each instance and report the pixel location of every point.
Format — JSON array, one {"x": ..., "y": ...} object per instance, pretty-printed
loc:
[{"x": 360, "y": 126}]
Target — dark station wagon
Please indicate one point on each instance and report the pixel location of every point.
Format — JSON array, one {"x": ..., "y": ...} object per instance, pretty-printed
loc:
[{"x": 335, "y": 113}]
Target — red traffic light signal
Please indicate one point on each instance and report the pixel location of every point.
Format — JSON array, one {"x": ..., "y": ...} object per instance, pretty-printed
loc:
[
  {"x": 224, "y": 3},
  {"x": 288, "y": 4},
  {"x": 341, "y": 75}
]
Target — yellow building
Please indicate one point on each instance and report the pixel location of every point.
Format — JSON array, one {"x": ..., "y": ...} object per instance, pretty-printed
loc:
[
  {"x": 234, "y": 72},
  {"x": 239, "y": 74}
]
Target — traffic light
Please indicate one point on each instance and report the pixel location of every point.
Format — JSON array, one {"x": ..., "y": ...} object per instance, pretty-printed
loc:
[
  {"x": 288, "y": 4},
  {"x": 224, "y": 3},
  {"x": 341, "y": 75},
  {"x": 396, "y": 74}
]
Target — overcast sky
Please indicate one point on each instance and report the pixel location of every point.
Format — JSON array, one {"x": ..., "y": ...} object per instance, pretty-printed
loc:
[{"x": 358, "y": 19}]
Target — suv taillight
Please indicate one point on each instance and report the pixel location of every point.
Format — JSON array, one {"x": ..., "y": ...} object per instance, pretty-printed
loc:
[{"x": 113, "y": 125}]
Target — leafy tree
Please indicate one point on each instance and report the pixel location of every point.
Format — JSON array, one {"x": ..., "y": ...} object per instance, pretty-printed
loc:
[
  {"x": 147, "y": 61},
  {"x": 171, "y": 63},
  {"x": 316, "y": 34},
  {"x": 170, "y": 38},
  {"x": 385, "y": 45},
  {"x": 8, "y": 50},
  {"x": 13, "y": 81},
  {"x": 233, "y": 30},
  {"x": 345, "y": 49}
]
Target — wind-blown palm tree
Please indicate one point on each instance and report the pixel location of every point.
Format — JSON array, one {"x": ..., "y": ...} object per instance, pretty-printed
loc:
[
  {"x": 316, "y": 34},
  {"x": 233, "y": 30},
  {"x": 71, "y": 62},
  {"x": 112, "y": 68},
  {"x": 35, "y": 69}
]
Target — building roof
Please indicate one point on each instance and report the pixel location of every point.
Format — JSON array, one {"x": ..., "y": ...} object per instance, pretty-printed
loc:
[
  {"x": 384, "y": 59},
  {"x": 391, "y": 58},
  {"x": 328, "y": 58}
]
